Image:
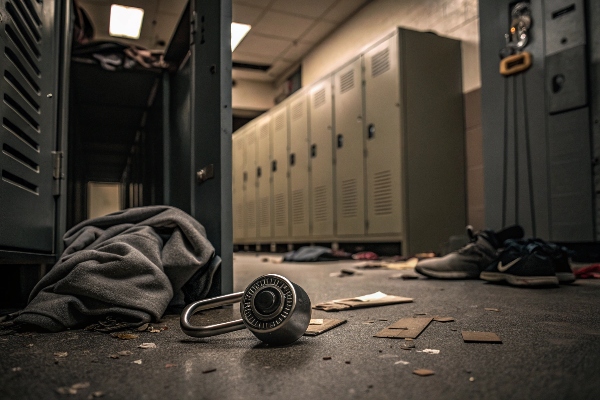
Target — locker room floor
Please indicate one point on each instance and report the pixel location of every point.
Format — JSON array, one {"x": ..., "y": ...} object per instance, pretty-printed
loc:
[{"x": 550, "y": 349}]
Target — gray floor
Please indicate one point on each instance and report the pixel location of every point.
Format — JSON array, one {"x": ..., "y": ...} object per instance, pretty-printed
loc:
[{"x": 550, "y": 349}]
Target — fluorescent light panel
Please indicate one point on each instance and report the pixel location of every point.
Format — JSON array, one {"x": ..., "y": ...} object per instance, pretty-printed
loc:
[
  {"x": 238, "y": 32},
  {"x": 125, "y": 21}
]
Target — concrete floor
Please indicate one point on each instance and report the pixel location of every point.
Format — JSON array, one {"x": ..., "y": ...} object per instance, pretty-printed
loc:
[{"x": 550, "y": 349}]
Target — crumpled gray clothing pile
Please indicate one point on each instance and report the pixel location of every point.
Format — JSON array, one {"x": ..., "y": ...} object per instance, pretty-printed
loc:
[{"x": 131, "y": 265}]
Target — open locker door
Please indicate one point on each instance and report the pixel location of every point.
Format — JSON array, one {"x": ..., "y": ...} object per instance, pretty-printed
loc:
[{"x": 28, "y": 135}]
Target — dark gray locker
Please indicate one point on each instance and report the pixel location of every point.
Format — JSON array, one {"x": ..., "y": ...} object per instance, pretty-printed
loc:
[
  {"x": 31, "y": 52},
  {"x": 383, "y": 139},
  {"x": 263, "y": 177},
  {"x": 349, "y": 150},
  {"x": 279, "y": 169},
  {"x": 321, "y": 153},
  {"x": 536, "y": 129},
  {"x": 299, "y": 166}
]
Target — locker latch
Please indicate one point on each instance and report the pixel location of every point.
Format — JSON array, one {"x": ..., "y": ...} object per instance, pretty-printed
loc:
[
  {"x": 57, "y": 174},
  {"x": 205, "y": 173}
]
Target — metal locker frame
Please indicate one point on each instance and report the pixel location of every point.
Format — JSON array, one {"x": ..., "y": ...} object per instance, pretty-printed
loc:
[
  {"x": 279, "y": 171},
  {"x": 238, "y": 156},
  {"x": 384, "y": 150},
  {"x": 349, "y": 150},
  {"x": 322, "y": 158},
  {"x": 263, "y": 177},
  {"x": 299, "y": 166}
]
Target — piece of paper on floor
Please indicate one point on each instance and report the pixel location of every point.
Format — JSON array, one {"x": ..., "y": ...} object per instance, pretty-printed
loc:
[
  {"x": 443, "y": 319},
  {"x": 408, "y": 264},
  {"x": 316, "y": 321},
  {"x": 401, "y": 362},
  {"x": 405, "y": 328},
  {"x": 328, "y": 324},
  {"x": 429, "y": 351},
  {"x": 371, "y": 300},
  {"x": 480, "y": 337}
]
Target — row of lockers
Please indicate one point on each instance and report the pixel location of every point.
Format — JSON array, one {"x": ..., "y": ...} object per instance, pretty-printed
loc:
[{"x": 372, "y": 152}]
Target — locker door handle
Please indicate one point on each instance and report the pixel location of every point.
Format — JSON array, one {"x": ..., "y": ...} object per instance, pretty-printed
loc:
[
  {"x": 258, "y": 172},
  {"x": 340, "y": 141},
  {"x": 371, "y": 131},
  {"x": 313, "y": 150},
  {"x": 292, "y": 159},
  {"x": 274, "y": 165},
  {"x": 245, "y": 176}
]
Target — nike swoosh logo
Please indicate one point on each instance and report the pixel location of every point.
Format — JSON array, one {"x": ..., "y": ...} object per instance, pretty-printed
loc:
[{"x": 503, "y": 268}]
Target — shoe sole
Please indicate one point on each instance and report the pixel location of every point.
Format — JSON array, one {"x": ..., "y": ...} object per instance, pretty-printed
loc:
[
  {"x": 565, "y": 277},
  {"x": 519, "y": 280},
  {"x": 446, "y": 275}
]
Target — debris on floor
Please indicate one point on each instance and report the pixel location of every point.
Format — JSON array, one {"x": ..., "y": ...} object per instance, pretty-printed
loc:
[
  {"x": 405, "y": 328},
  {"x": 401, "y": 362},
  {"x": 124, "y": 335},
  {"x": 480, "y": 337},
  {"x": 325, "y": 325},
  {"x": 209, "y": 370},
  {"x": 147, "y": 346},
  {"x": 404, "y": 276},
  {"x": 61, "y": 354},
  {"x": 365, "y": 255},
  {"x": 429, "y": 351},
  {"x": 408, "y": 264},
  {"x": 491, "y": 309},
  {"x": 73, "y": 388},
  {"x": 138, "y": 362},
  {"x": 423, "y": 372},
  {"x": 443, "y": 319},
  {"x": 327, "y": 358},
  {"x": 344, "y": 272},
  {"x": 370, "y": 300}
]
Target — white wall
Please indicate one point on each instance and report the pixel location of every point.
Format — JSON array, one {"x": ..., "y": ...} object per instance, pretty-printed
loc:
[
  {"x": 252, "y": 95},
  {"x": 457, "y": 19}
]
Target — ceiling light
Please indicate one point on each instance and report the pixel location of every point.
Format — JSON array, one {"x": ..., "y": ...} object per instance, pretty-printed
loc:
[
  {"x": 125, "y": 21},
  {"x": 238, "y": 31}
]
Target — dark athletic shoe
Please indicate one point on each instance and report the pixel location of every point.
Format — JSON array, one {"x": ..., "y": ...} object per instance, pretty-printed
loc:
[
  {"x": 560, "y": 259},
  {"x": 522, "y": 263},
  {"x": 469, "y": 261}
]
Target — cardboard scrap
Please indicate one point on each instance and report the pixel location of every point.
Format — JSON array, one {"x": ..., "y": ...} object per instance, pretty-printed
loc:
[
  {"x": 326, "y": 325},
  {"x": 405, "y": 328},
  {"x": 443, "y": 319},
  {"x": 423, "y": 372},
  {"x": 480, "y": 337},
  {"x": 491, "y": 309},
  {"x": 370, "y": 300},
  {"x": 316, "y": 321}
]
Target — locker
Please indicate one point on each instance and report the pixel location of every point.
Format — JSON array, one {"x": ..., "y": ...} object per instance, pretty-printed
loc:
[
  {"x": 384, "y": 151},
  {"x": 321, "y": 153},
  {"x": 279, "y": 170},
  {"x": 250, "y": 187},
  {"x": 263, "y": 177},
  {"x": 238, "y": 155},
  {"x": 299, "y": 166},
  {"x": 349, "y": 150}
]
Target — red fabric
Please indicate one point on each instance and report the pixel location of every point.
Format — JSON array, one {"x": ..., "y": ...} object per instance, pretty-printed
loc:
[
  {"x": 365, "y": 255},
  {"x": 593, "y": 271}
]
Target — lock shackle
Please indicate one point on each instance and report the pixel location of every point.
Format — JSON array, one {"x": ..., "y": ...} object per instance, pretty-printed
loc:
[{"x": 210, "y": 330}]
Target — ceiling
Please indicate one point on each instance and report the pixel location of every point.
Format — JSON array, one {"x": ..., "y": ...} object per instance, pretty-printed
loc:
[{"x": 283, "y": 31}]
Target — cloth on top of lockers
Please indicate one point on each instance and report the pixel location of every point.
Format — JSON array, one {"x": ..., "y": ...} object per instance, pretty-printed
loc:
[
  {"x": 315, "y": 253},
  {"x": 128, "y": 266}
]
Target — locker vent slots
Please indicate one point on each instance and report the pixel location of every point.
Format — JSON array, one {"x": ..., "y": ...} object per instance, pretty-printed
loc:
[
  {"x": 21, "y": 96},
  {"x": 347, "y": 81},
  {"x": 279, "y": 209},
  {"x": 383, "y": 193},
  {"x": 321, "y": 203},
  {"x": 264, "y": 212},
  {"x": 298, "y": 206},
  {"x": 319, "y": 98},
  {"x": 349, "y": 198},
  {"x": 380, "y": 63}
]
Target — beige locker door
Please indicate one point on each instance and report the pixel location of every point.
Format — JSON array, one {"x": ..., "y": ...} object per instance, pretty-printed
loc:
[
  {"x": 263, "y": 177},
  {"x": 383, "y": 139},
  {"x": 299, "y": 165},
  {"x": 321, "y": 153},
  {"x": 238, "y": 160},
  {"x": 250, "y": 186},
  {"x": 279, "y": 171},
  {"x": 349, "y": 150}
]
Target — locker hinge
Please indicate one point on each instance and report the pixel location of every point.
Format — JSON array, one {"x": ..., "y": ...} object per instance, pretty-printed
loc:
[
  {"x": 205, "y": 173},
  {"x": 57, "y": 172},
  {"x": 192, "y": 27}
]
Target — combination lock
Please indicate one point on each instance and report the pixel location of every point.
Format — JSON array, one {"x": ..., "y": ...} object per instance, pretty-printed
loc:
[{"x": 274, "y": 309}]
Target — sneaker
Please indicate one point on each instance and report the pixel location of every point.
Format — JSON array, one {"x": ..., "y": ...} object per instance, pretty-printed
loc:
[
  {"x": 522, "y": 263},
  {"x": 469, "y": 261},
  {"x": 560, "y": 259}
]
